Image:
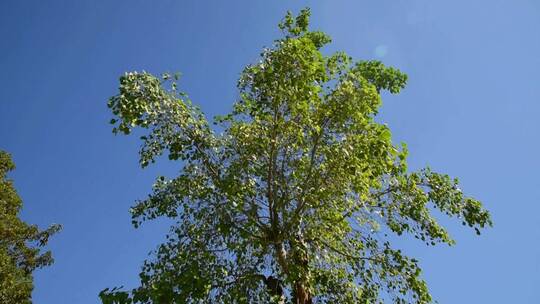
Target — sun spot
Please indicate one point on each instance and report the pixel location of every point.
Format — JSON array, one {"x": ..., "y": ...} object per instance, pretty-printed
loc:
[{"x": 381, "y": 50}]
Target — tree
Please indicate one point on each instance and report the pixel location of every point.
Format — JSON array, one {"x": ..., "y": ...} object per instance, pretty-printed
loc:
[
  {"x": 297, "y": 198},
  {"x": 20, "y": 243}
]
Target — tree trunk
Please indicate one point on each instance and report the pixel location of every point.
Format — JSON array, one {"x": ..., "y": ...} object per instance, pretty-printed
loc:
[{"x": 301, "y": 294}]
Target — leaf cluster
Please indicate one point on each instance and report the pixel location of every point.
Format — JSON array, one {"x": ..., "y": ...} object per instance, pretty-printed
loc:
[{"x": 20, "y": 243}]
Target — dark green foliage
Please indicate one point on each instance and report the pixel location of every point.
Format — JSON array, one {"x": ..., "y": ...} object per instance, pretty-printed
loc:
[{"x": 20, "y": 243}]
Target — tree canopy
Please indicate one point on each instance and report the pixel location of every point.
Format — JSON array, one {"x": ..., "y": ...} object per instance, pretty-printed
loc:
[
  {"x": 20, "y": 243},
  {"x": 294, "y": 196}
]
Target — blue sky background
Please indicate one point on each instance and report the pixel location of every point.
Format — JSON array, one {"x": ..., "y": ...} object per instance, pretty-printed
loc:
[{"x": 471, "y": 110}]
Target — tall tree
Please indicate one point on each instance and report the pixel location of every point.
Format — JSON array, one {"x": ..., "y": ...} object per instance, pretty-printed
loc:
[
  {"x": 20, "y": 243},
  {"x": 296, "y": 199}
]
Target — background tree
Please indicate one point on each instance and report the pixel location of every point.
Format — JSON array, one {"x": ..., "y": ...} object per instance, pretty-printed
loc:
[
  {"x": 20, "y": 243},
  {"x": 296, "y": 199}
]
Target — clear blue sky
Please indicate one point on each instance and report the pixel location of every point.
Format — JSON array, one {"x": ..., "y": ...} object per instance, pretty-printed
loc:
[{"x": 471, "y": 109}]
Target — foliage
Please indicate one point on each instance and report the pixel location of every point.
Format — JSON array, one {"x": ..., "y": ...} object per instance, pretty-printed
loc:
[
  {"x": 295, "y": 200},
  {"x": 20, "y": 243}
]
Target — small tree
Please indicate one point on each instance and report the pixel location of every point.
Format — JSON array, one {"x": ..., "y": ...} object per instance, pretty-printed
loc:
[
  {"x": 294, "y": 200},
  {"x": 20, "y": 243}
]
